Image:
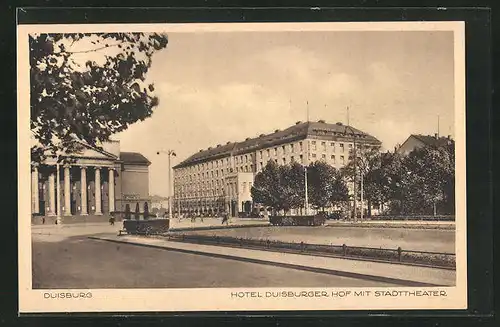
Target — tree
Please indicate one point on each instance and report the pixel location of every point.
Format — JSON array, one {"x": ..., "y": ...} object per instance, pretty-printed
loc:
[
  {"x": 368, "y": 168},
  {"x": 72, "y": 100},
  {"x": 292, "y": 186},
  {"x": 137, "y": 212},
  {"x": 325, "y": 185},
  {"x": 430, "y": 174},
  {"x": 265, "y": 189},
  {"x": 279, "y": 187}
]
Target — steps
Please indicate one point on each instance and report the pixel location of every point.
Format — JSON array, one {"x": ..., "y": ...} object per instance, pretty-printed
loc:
[{"x": 51, "y": 220}]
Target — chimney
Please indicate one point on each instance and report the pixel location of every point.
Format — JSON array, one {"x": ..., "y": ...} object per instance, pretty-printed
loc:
[
  {"x": 436, "y": 136},
  {"x": 449, "y": 137}
]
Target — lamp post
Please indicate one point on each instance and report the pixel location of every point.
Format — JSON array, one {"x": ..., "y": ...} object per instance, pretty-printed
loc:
[
  {"x": 306, "y": 199},
  {"x": 58, "y": 181},
  {"x": 170, "y": 153}
]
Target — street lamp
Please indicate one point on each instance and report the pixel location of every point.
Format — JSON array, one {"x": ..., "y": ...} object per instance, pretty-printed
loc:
[
  {"x": 306, "y": 200},
  {"x": 170, "y": 153}
]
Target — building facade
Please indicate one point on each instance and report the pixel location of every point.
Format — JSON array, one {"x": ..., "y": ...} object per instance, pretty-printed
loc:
[
  {"x": 96, "y": 182},
  {"x": 221, "y": 177},
  {"x": 415, "y": 141}
]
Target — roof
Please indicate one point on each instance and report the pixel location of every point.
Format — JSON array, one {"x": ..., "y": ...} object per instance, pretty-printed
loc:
[
  {"x": 134, "y": 158},
  {"x": 432, "y": 140},
  {"x": 299, "y": 131}
]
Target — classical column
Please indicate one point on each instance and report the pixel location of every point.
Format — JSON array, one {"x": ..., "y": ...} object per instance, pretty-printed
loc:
[
  {"x": 111, "y": 191},
  {"x": 97, "y": 185},
  {"x": 67, "y": 192},
  {"x": 83, "y": 191},
  {"x": 35, "y": 191},
  {"x": 52, "y": 194}
]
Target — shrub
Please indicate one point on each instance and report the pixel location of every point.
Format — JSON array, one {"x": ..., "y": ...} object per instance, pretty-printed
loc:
[{"x": 137, "y": 212}]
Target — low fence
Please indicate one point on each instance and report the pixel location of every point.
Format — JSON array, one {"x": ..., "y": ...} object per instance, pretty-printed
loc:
[
  {"x": 413, "y": 218},
  {"x": 435, "y": 259}
]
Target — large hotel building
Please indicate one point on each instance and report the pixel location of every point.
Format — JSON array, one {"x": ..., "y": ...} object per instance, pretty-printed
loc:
[{"x": 220, "y": 178}]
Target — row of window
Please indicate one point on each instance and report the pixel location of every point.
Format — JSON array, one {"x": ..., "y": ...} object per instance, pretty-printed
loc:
[
  {"x": 243, "y": 163},
  {"x": 195, "y": 190}
]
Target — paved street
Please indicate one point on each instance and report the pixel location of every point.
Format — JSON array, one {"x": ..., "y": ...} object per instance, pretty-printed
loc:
[
  {"x": 78, "y": 262},
  {"x": 64, "y": 257}
]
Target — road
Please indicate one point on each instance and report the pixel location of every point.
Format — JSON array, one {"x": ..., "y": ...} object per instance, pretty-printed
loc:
[{"x": 74, "y": 261}]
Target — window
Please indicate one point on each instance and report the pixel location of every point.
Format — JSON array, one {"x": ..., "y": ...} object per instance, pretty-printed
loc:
[
  {"x": 314, "y": 155},
  {"x": 292, "y": 159},
  {"x": 275, "y": 151},
  {"x": 284, "y": 151},
  {"x": 314, "y": 145},
  {"x": 246, "y": 158},
  {"x": 342, "y": 160},
  {"x": 276, "y": 160},
  {"x": 261, "y": 165},
  {"x": 301, "y": 158},
  {"x": 251, "y": 167},
  {"x": 341, "y": 147},
  {"x": 323, "y": 156},
  {"x": 333, "y": 158},
  {"x": 300, "y": 146},
  {"x": 284, "y": 161},
  {"x": 260, "y": 154},
  {"x": 268, "y": 153},
  {"x": 350, "y": 146},
  {"x": 323, "y": 146},
  {"x": 292, "y": 150}
]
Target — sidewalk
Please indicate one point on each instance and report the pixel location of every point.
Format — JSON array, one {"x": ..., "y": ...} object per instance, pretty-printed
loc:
[{"x": 403, "y": 275}]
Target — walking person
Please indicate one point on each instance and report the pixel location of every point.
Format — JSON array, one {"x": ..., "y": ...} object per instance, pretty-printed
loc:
[{"x": 225, "y": 218}]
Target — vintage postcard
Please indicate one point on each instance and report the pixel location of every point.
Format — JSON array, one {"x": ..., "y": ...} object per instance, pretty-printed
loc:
[{"x": 241, "y": 167}]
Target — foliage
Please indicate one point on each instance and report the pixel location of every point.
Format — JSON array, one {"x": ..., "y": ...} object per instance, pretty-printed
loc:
[
  {"x": 88, "y": 101},
  {"x": 146, "y": 210},
  {"x": 283, "y": 188},
  {"x": 265, "y": 189},
  {"x": 137, "y": 212},
  {"x": 127, "y": 211},
  {"x": 325, "y": 185}
]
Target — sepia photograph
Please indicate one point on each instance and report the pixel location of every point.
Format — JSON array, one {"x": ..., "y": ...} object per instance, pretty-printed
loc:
[{"x": 263, "y": 166}]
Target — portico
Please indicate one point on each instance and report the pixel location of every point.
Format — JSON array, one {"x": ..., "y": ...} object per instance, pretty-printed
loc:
[
  {"x": 93, "y": 182},
  {"x": 84, "y": 189}
]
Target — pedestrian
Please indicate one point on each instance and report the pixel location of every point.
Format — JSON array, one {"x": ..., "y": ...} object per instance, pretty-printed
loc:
[
  {"x": 225, "y": 219},
  {"x": 112, "y": 221}
]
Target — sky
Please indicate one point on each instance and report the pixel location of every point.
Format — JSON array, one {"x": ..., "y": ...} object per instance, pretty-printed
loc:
[{"x": 216, "y": 87}]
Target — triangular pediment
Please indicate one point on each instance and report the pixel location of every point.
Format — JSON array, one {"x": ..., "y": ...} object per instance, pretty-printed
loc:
[{"x": 87, "y": 151}]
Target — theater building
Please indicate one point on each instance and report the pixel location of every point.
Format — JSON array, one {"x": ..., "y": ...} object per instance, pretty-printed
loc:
[
  {"x": 95, "y": 183},
  {"x": 221, "y": 177}
]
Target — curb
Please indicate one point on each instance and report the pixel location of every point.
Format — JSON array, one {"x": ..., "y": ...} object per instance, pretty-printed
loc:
[{"x": 402, "y": 282}]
